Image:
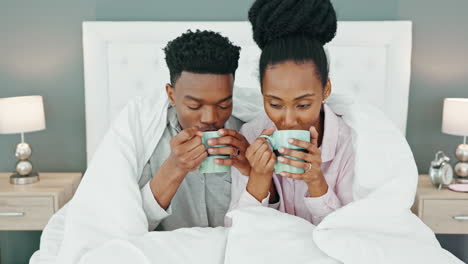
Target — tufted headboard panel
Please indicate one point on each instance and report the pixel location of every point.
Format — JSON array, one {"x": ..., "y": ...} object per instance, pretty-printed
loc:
[{"x": 368, "y": 60}]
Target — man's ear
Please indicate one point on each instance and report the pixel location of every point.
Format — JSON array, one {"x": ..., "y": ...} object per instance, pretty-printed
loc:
[
  {"x": 170, "y": 93},
  {"x": 327, "y": 90}
]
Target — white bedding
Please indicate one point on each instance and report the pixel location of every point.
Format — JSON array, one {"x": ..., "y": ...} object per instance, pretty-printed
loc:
[{"x": 105, "y": 221}]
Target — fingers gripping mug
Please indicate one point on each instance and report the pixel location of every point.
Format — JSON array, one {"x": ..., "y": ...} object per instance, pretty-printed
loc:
[
  {"x": 279, "y": 139},
  {"x": 209, "y": 165}
]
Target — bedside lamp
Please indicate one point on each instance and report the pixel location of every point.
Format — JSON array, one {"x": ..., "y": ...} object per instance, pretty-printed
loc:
[
  {"x": 20, "y": 115},
  {"x": 455, "y": 122}
]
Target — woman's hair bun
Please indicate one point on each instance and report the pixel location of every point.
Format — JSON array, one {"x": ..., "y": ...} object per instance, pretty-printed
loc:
[{"x": 275, "y": 19}]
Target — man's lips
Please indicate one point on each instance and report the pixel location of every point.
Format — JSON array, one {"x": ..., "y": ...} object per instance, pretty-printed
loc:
[{"x": 210, "y": 128}]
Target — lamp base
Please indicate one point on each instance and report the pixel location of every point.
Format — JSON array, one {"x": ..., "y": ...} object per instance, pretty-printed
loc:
[
  {"x": 461, "y": 180},
  {"x": 18, "y": 179}
]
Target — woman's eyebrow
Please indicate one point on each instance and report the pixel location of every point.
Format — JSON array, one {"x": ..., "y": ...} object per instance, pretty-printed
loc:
[
  {"x": 295, "y": 99},
  {"x": 304, "y": 96},
  {"x": 274, "y": 97}
]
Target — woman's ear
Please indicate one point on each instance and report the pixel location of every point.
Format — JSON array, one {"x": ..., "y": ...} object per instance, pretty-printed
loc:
[
  {"x": 327, "y": 90},
  {"x": 170, "y": 94}
]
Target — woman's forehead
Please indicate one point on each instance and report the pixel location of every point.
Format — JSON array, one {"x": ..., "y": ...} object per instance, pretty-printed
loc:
[{"x": 291, "y": 82}]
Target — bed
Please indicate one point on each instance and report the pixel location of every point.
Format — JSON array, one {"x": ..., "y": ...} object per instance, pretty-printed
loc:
[{"x": 370, "y": 74}]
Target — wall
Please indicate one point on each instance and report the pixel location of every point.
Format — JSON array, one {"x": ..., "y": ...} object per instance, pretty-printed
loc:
[{"x": 439, "y": 70}]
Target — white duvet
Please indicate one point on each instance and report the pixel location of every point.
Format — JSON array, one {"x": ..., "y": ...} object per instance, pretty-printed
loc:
[{"x": 105, "y": 222}]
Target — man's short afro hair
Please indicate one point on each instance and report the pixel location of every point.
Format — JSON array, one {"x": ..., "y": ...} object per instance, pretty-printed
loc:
[{"x": 201, "y": 52}]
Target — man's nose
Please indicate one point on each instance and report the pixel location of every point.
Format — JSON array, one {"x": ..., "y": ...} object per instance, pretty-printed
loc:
[{"x": 209, "y": 115}]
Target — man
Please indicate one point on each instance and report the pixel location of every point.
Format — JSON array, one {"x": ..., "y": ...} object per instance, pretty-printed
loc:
[
  {"x": 144, "y": 173},
  {"x": 202, "y": 67}
]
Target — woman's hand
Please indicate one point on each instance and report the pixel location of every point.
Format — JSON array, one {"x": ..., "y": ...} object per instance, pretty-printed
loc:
[
  {"x": 237, "y": 148},
  {"x": 310, "y": 162},
  {"x": 262, "y": 162}
]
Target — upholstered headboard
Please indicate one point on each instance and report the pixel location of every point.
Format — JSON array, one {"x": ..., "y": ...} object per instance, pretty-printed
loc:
[{"x": 369, "y": 60}]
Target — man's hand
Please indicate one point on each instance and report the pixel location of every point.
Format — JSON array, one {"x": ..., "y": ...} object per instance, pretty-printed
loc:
[
  {"x": 187, "y": 150},
  {"x": 187, "y": 153},
  {"x": 237, "y": 147}
]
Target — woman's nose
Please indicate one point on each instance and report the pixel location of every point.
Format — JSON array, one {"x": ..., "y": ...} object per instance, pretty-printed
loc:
[{"x": 290, "y": 120}]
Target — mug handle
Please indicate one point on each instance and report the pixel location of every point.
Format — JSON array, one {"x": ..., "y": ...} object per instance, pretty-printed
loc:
[{"x": 269, "y": 139}]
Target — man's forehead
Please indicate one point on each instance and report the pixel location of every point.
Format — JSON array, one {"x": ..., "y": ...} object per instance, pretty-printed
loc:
[
  {"x": 194, "y": 78},
  {"x": 204, "y": 86}
]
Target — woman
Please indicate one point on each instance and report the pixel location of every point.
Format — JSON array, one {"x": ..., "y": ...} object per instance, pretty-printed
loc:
[{"x": 295, "y": 84}]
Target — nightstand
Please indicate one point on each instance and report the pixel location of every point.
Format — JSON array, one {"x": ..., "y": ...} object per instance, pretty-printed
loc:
[
  {"x": 29, "y": 207},
  {"x": 444, "y": 211}
]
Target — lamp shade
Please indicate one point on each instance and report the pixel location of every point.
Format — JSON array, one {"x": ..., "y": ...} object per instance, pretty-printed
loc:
[
  {"x": 455, "y": 116},
  {"x": 21, "y": 114}
]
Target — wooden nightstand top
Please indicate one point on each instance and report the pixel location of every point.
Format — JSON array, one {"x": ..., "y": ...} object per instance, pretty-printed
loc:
[
  {"x": 29, "y": 206},
  {"x": 48, "y": 183},
  {"x": 427, "y": 191}
]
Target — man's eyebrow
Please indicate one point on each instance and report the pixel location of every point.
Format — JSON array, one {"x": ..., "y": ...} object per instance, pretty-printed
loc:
[
  {"x": 193, "y": 98},
  {"x": 225, "y": 99},
  {"x": 201, "y": 100}
]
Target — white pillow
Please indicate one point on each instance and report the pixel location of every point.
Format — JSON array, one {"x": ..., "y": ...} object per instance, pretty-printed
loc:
[{"x": 248, "y": 103}]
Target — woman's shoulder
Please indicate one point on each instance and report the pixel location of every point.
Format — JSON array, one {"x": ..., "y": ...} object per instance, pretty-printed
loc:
[
  {"x": 251, "y": 130},
  {"x": 345, "y": 133},
  {"x": 345, "y": 137},
  {"x": 345, "y": 130}
]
